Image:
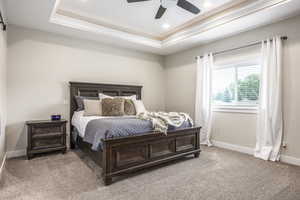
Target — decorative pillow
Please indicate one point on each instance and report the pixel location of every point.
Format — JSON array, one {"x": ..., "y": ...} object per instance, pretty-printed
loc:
[
  {"x": 129, "y": 108},
  {"x": 139, "y": 106},
  {"x": 79, "y": 101},
  {"x": 92, "y": 107},
  {"x": 103, "y": 96},
  {"x": 113, "y": 107}
]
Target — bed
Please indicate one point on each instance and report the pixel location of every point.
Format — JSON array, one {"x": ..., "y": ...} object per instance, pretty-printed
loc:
[{"x": 127, "y": 154}]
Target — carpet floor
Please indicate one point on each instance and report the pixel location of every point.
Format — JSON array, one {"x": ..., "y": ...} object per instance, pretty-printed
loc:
[{"x": 216, "y": 175}]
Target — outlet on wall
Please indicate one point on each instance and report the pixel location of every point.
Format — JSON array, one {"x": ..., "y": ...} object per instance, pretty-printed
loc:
[{"x": 284, "y": 144}]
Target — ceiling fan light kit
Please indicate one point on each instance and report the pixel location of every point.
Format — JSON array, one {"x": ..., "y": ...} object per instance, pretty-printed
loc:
[{"x": 165, "y": 4}]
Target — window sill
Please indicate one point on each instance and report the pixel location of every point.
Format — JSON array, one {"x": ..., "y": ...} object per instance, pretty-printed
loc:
[{"x": 236, "y": 109}]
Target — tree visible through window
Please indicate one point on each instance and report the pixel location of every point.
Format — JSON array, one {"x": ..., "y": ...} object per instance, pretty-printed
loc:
[{"x": 237, "y": 85}]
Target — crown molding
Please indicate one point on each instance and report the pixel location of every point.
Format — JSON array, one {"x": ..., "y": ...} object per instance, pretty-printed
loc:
[
  {"x": 104, "y": 23},
  {"x": 101, "y": 30},
  {"x": 206, "y": 16},
  {"x": 242, "y": 10}
]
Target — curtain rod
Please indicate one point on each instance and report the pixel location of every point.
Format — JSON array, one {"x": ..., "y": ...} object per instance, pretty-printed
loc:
[{"x": 241, "y": 47}]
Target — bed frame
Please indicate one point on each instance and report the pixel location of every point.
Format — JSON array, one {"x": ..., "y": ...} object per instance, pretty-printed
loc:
[{"x": 128, "y": 154}]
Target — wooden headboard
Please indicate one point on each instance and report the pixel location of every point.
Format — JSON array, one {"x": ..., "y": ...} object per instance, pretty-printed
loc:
[{"x": 93, "y": 89}]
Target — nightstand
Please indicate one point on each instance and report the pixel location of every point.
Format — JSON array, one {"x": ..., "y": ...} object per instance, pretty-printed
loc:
[{"x": 46, "y": 136}]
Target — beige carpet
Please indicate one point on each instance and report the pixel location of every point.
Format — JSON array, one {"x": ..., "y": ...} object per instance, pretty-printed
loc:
[{"x": 216, "y": 174}]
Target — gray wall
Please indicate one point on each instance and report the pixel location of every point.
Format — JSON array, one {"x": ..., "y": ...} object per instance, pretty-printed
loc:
[
  {"x": 3, "y": 69},
  {"x": 41, "y": 64},
  {"x": 237, "y": 128}
]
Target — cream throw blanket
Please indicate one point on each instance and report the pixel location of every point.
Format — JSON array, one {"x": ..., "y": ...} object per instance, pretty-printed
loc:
[{"x": 161, "y": 120}]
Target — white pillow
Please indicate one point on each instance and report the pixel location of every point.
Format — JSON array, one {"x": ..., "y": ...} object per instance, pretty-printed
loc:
[
  {"x": 139, "y": 106},
  {"x": 103, "y": 96},
  {"x": 92, "y": 107}
]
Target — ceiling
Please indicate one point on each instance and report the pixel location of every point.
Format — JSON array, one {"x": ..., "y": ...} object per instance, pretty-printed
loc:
[
  {"x": 133, "y": 25},
  {"x": 137, "y": 17}
]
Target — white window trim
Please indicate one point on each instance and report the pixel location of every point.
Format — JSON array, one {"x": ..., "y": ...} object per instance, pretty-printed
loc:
[
  {"x": 235, "y": 109},
  {"x": 243, "y": 63}
]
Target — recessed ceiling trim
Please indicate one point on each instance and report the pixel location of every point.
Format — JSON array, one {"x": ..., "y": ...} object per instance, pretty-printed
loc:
[
  {"x": 104, "y": 24},
  {"x": 101, "y": 22},
  {"x": 191, "y": 34},
  {"x": 93, "y": 28},
  {"x": 221, "y": 20},
  {"x": 217, "y": 11},
  {"x": 58, "y": 19}
]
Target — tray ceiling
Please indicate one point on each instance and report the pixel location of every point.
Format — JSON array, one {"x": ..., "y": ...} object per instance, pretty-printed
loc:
[
  {"x": 137, "y": 18},
  {"x": 118, "y": 23}
]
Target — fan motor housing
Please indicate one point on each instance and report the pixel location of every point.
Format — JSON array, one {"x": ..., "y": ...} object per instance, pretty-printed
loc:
[{"x": 168, "y": 3}]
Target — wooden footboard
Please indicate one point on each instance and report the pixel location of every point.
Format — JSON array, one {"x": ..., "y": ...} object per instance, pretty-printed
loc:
[{"x": 129, "y": 154}]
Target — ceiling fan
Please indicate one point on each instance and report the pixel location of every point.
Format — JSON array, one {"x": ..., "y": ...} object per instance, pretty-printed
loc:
[{"x": 164, "y": 4}]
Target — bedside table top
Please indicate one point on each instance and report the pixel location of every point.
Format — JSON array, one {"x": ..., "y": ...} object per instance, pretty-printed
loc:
[{"x": 46, "y": 122}]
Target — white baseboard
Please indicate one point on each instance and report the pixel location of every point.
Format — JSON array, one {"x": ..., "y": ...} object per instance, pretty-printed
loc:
[
  {"x": 283, "y": 158},
  {"x": 15, "y": 154},
  {"x": 290, "y": 160},
  {"x": 2, "y": 167},
  {"x": 233, "y": 147}
]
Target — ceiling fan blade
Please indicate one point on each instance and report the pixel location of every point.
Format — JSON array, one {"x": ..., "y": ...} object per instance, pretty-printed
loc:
[
  {"x": 160, "y": 12},
  {"x": 188, "y": 6},
  {"x": 134, "y": 1}
]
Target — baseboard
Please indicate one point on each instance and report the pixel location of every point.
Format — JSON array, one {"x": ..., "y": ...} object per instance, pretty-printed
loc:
[
  {"x": 2, "y": 167},
  {"x": 283, "y": 158},
  {"x": 233, "y": 147},
  {"x": 290, "y": 160},
  {"x": 15, "y": 154}
]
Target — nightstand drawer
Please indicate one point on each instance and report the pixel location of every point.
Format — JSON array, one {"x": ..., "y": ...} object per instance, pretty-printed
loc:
[
  {"x": 46, "y": 129},
  {"x": 49, "y": 135},
  {"x": 47, "y": 143}
]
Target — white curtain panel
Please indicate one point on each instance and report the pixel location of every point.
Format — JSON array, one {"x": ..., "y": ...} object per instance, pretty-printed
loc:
[
  {"x": 203, "y": 109},
  {"x": 270, "y": 116}
]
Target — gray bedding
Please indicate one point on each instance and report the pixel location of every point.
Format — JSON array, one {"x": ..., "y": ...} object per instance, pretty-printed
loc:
[{"x": 118, "y": 127}]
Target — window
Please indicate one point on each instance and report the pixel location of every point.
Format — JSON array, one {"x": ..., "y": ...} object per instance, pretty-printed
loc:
[{"x": 236, "y": 86}]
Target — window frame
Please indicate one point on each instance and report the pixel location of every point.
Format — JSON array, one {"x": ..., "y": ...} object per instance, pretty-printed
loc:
[{"x": 235, "y": 107}]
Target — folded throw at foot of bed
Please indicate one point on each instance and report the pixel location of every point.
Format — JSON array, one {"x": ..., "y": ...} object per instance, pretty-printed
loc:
[{"x": 162, "y": 120}]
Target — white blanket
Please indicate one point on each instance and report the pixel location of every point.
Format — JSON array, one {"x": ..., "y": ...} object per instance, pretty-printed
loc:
[{"x": 162, "y": 120}]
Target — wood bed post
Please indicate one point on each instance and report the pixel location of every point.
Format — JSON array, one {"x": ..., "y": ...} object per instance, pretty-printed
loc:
[
  {"x": 106, "y": 158},
  {"x": 73, "y": 93},
  {"x": 106, "y": 163},
  {"x": 197, "y": 145}
]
